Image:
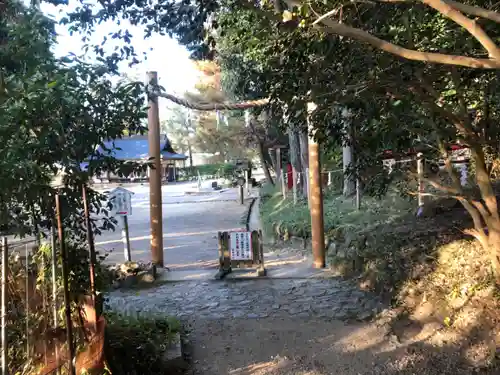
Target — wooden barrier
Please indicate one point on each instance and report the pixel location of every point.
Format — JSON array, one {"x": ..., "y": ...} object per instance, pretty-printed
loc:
[{"x": 240, "y": 249}]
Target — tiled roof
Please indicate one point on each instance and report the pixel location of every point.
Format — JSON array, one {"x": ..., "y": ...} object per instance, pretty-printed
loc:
[{"x": 137, "y": 148}]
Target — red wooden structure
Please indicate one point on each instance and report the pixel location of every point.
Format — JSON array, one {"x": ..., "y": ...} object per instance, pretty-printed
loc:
[{"x": 289, "y": 173}]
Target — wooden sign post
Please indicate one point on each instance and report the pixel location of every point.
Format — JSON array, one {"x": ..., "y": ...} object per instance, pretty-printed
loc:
[{"x": 122, "y": 201}]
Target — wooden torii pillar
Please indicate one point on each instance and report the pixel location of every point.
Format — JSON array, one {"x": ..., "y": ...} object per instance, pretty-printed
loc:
[
  {"x": 155, "y": 199},
  {"x": 316, "y": 195}
]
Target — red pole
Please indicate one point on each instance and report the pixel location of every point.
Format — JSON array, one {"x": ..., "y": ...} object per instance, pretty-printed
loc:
[{"x": 289, "y": 171}]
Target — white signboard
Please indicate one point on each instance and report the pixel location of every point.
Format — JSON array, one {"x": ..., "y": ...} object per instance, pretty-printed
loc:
[
  {"x": 241, "y": 245},
  {"x": 121, "y": 199},
  {"x": 460, "y": 155}
]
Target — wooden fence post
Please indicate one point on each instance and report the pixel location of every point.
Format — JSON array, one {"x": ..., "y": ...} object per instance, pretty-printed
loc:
[
  {"x": 358, "y": 195},
  {"x": 420, "y": 173},
  {"x": 283, "y": 184},
  {"x": 67, "y": 302},
  {"x": 92, "y": 254}
]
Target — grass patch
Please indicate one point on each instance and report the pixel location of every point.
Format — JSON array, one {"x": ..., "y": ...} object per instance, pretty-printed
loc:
[
  {"x": 137, "y": 344},
  {"x": 206, "y": 170},
  {"x": 284, "y": 219}
]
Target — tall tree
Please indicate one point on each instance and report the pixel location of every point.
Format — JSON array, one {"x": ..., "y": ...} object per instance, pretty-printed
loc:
[
  {"x": 181, "y": 130},
  {"x": 429, "y": 76},
  {"x": 54, "y": 115}
]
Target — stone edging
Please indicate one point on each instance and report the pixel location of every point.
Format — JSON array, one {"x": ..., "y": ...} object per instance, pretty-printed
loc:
[
  {"x": 203, "y": 201},
  {"x": 215, "y": 192},
  {"x": 175, "y": 356},
  {"x": 245, "y": 218}
]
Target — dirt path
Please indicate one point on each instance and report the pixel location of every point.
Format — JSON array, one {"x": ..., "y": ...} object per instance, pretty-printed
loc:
[
  {"x": 290, "y": 346},
  {"x": 297, "y": 327},
  {"x": 285, "y": 346}
]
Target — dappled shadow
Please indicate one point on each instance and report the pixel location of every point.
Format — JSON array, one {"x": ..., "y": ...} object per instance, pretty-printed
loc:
[
  {"x": 318, "y": 347},
  {"x": 406, "y": 248}
]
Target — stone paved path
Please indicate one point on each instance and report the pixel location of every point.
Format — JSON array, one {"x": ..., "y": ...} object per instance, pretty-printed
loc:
[{"x": 251, "y": 299}]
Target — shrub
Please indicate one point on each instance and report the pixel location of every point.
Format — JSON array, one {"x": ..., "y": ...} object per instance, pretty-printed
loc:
[
  {"x": 28, "y": 323},
  {"x": 136, "y": 345},
  {"x": 213, "y": 170},
  {"x": 283, "y": 218}
]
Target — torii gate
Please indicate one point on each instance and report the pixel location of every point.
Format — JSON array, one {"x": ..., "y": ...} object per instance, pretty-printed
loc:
[{"x": 155, "y": 199}]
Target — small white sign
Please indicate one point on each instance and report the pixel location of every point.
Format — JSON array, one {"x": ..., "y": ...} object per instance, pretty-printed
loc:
[
  {"x": 121, "y": 199},
  {"x": 241, "y": 245}
]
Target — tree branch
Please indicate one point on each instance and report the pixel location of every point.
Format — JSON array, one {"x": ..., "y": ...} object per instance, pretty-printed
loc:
[
  {"x": 449, "y": 190},
  {"x": 464, "y": 8},
  {"x": 474, "y": 211},
  {"x": 484, "y": 183},
  {"x": 333, "y": 27},
  {"x": 455, "y": 120},
  {"x": 449, "y": 168},
  {"x": 476, "y": 217},
  {"x": 470, "y": 25},
  {"x": 484, "y": 212},
  {"x": 475, "y": 11}
]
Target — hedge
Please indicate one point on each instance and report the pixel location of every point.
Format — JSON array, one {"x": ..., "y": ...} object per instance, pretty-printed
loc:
[{"x": 212, "y": 170}]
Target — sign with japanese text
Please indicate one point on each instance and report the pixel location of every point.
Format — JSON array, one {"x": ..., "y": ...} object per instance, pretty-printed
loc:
[
  {"x": 241, "y": 246},
  {"x": 121, "y": 199}
]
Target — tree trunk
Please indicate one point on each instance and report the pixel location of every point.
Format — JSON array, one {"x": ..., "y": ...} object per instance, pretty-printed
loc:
[
  {"x": 272, "y": 158},
  {"x": 294, "y": 151},
  {"x": 278, "y": 166},
  {"x": 486, "y": 211},
  {"x": 304, "y": 161},
  {"x": 261, "y": 150},
  {"x": 349, "y": 181},
  {"x": 494, "y": 249},
  {"x": 490, "y": 215},
  {"x": 263, "y": 162},
  {"x": 347, "y": 156},
  {"x": 190, "y": 151}
]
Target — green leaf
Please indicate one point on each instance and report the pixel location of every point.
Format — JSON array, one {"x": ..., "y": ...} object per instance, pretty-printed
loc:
[
  {"x": 450, "y": 92},
  {"x": 287, "y": 16}
]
